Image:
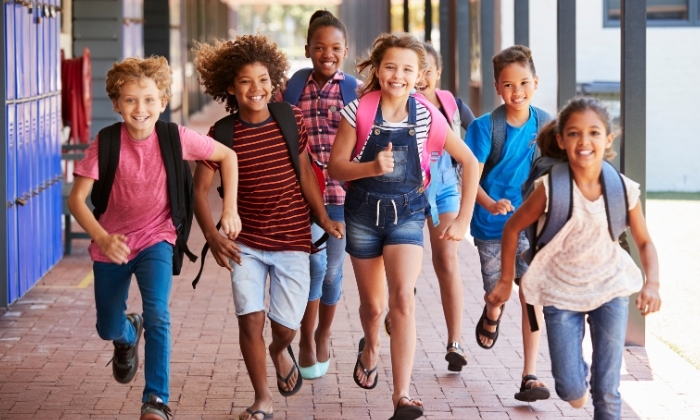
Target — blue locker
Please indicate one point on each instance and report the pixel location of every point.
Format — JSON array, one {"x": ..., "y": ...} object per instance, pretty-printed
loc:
[
  {"x": 52, "y": 50},
  {"x": 44, "y": 228},
  {"x": 11, "y": 178},
  {"x": 10, "y": 69},
  {"x": 18, "y": 46},
  {"x": 24, "y": 201},
  {"x": 55, "y": 50},
  {"x": 57, "y": 174},
  {"x": 32, "y": 53},
  {"x": 34, "y": 162},
  {"x": 38, "y": 26}
]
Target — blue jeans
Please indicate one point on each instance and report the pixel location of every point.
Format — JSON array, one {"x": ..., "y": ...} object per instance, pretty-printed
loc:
[
  {"x": 565, "y": 331},
  {"x": 153, "y": 268},
  {"x": 327, "y": 264}
]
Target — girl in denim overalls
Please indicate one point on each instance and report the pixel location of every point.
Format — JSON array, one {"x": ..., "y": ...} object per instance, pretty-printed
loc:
[{"x": 385, "y": 206}]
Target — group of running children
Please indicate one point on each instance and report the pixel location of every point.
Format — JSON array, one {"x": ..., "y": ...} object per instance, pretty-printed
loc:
[{"x": 394, "y": 141}]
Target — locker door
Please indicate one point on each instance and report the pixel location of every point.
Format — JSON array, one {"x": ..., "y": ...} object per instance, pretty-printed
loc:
[
  {"x": 57, "y": 174},
  {"x": 32, "y": 52},
  {"x": 19, "y": 50},
  {"x": 34, "y": 162},
  {"x": 38, "y": 26},
  {"x": 24, "y": 202},
  {"x": 42, "y": 169},
  {"x": 11, "y": 178},
  {"x": 10, "y": 69}
]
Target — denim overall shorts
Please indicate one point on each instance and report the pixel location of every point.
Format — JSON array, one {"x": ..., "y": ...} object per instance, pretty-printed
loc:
[{"x": 387, "y": 209}]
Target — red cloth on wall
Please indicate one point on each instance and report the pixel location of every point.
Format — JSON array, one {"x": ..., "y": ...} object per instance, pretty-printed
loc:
[{"x": 76, "y": 96}]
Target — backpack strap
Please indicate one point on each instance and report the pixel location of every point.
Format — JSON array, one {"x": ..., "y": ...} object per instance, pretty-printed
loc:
[
  {"x": 558, "y": 211},
  {"x": 283, "y": 114},
  {"x": 108, "y": 150},
  {"x": 615, "y": 197},
  {"x": 171, "y": 151},
  {"x": 364, "y": 119},
  {"x": 348, "y": 88},
  {"x": 295, "y": 85},
  {"x": 498, "y": 135},
  {"x": 448, "y": 102}
]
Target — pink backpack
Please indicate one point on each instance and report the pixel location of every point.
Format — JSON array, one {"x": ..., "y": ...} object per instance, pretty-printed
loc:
[{"x": 432, "y": 149}]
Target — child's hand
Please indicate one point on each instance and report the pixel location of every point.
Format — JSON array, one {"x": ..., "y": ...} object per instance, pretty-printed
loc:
[
  {"x": 231, "y": 224},
  {"x": 648, "y": 299},
  {"x": 114, "y": 247},
  {"x": 336, "y": 229},
  {"x": 454, "y": 230},
  {"x": 500, "y": 293},
  {"x": 224, "y": 249},
  {"x": 385, "y": 161},
  {"x": 501, "y": 206}
]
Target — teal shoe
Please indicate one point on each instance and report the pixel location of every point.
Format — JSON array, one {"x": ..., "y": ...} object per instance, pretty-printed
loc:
[
  {"x": 311, "y": 372},
  {"x": 323, "y": 367}
]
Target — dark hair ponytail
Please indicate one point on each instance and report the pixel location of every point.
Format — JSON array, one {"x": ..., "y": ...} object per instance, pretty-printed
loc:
[
  {"x": 321, "y": 19},
  {"x": 547, "y": 141}
]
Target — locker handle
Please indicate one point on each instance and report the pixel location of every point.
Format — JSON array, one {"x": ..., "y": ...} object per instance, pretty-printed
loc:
[
  {"x": 35, "y": 193},
  {"x": 10, "y": 204},
  {"x": 20, "y": 201}
]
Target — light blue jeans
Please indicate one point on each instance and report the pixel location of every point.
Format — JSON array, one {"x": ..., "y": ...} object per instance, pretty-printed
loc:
[
  {"x": 327, "y": 264},
  {"x": 565, "y": 331},
  {"x": 153, "y": 268}
]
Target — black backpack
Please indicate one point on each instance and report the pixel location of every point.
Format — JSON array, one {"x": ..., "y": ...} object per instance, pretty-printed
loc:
[
  {"x": 283, "y": 114},
  {"x": 179, "y": 175}
]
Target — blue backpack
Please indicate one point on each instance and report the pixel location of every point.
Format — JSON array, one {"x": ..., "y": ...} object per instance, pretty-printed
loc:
[{"x": 292, "y": 93}]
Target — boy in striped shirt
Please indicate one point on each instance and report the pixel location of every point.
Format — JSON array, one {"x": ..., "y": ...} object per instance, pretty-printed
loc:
[{"x": 275, "y": 238}]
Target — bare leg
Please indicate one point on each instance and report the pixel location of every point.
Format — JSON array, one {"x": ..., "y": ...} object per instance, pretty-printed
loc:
[
  {"x": 531, "y": 340},
  {"x": 281, "y": 338},
  {"x": 371, "y": 285},
  {"x": 250, "y": 328},
  {"x": 307, "y": 351},
  {"x": 326, "y": 313},
  {"x": 403, "y": 263},
  {"x": 447, "y": 269}
]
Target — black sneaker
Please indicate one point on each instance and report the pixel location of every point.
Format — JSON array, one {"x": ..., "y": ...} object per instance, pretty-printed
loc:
[
  {"x": 125, "y": 362},
  {"x": 155, "y": 409}
]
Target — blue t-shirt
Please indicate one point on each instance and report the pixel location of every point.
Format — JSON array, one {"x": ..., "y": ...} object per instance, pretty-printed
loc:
[{"x": 506, "y": 178}]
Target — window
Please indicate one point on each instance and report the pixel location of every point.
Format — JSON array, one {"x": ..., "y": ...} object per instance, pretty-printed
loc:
[{"x": 659, "y": 13}]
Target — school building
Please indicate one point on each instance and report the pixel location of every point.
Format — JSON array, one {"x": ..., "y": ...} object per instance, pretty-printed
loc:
[{"x": 599, "y": 46}]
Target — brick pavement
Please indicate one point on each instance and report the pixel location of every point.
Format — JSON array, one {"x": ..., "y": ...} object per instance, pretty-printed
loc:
[{"x": 52, "y": 363}]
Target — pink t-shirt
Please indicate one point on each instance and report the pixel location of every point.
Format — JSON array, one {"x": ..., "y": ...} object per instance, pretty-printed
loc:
[{"x": 139, "y": 206}]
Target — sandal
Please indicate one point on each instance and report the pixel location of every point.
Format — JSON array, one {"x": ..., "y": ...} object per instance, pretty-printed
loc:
[
  {"x": 367, "y": 373},
  {"x": 297, "y": 385},
  {"x": 406, "y": 412},
  {"x": 455, "y": 359},
  {"x": 265, "y": 414},
  {"x": 531, "y": 393},
  {"x": 481, "y": 331}
]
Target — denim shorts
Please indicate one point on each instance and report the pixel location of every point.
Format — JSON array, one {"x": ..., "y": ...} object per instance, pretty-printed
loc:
[
  {"x": 448, "y": 194},
  {"x": 374, "y": 221},
  {"x": 490, "y": 257},
  {"x": 327, "y": 264},
  {"x": 289, "y": 284}
]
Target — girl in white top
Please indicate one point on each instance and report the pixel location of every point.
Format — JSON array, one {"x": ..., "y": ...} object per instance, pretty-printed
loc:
[{"x": 582, "y": 271}]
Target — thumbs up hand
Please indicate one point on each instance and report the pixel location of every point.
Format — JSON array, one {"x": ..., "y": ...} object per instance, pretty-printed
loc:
[{"x": 384, "y": 162}]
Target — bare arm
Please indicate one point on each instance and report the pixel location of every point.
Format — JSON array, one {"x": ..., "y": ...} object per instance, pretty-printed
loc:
[
  {"x": 502, "y": 206},
  {"x": 341, "y": 167},
  {"x": 113, "y": 246},
  {"x": 648, "y": 300},
  {"x": 526, "y": 215},
  {"x": 230, "y": 222},
  {"x": 222, "y": 248}
]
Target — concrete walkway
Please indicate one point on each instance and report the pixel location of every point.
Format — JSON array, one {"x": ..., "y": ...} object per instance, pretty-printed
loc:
[{"x": 52, "y": 363}]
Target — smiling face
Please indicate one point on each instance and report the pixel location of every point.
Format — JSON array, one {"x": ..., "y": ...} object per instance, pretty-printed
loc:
[
  {"x": 516, "y": 85},
  {"x": 327, "y": 50},
  {"x": 140, "y": 103},
  {"x": 428, "y": 83},
  {"x": 252, "y": 88},
  {"x": 398, "y": 72},
  {"x": 585, "y": 139}
]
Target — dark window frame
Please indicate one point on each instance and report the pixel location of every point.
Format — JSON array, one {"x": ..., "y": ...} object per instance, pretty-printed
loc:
[{"x": 692, "y": 21}]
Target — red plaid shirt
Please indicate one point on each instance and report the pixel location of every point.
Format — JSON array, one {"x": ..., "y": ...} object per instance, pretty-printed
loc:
[{"x": 321, "y": 111}]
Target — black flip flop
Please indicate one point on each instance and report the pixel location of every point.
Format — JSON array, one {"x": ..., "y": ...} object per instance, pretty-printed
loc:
[
  {"x": 368, "y": 373},
  {"x": 481, "y": 331},
  {"x": 407, "y": 412},
  {"x": 530, "y": 394},
  {"x": 297, "y": 386},
  {"x": 266, "y": 415}
]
